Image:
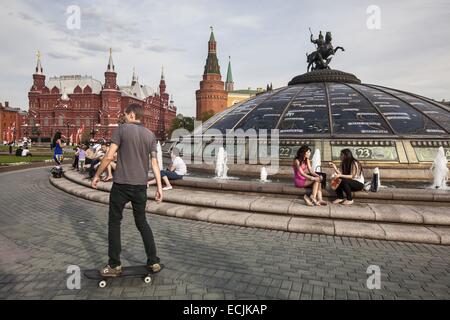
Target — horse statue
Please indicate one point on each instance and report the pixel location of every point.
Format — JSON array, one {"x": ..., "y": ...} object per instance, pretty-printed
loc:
[{"x": 321, "y": 58}]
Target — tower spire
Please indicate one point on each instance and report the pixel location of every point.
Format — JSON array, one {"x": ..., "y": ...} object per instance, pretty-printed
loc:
[
  {"x": 110, "y": 74},
  {"x": 162, "y": 83},
  {"x": 39, "y": 69},
  {"x": 229, "y": 84},
  {"x": 212, "y": 63},
  {"x": 212, "y": 38},
  {"x": 134, "y": 79},
  {"x": 110, "y": 63}
]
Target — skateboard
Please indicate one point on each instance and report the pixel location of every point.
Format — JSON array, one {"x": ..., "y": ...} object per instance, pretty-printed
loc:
[{"x": 134, "y": 271}]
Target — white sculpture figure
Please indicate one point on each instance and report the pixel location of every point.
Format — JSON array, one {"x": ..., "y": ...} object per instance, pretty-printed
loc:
[
  {"x": 221, "y": 164},
  {"x": 440, "y": 170}
]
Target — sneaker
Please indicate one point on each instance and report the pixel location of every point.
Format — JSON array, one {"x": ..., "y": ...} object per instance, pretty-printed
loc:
[
  {"x": 111, "y": 272},
  {"x": 155, "y": 268},
  {"x": 167, "y": 188}
]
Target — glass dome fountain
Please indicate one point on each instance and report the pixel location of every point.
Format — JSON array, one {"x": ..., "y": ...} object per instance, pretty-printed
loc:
[{"x": 331, "y": 110}]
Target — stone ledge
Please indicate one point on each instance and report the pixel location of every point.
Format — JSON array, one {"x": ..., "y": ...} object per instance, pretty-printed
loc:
[
  {"x": 395, "y": 213},
  {"x": 275, "y": 189},
  {"x": 333, "y": 227}
]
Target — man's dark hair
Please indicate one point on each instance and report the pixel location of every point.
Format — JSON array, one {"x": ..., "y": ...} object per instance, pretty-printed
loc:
[{"x": 137, "y": 109}]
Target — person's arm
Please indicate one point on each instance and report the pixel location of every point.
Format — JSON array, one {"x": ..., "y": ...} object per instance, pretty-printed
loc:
[
  {"x": 297, "y": 165},
  {"x": 354, "y": 171},
  {"x": 303, "y": 173},
  {"x": 336, "y": 170},
  {"x": 157, "y": 173},
  {"x": 104, "y": 164},
  {"x": 311, "y": 170}
]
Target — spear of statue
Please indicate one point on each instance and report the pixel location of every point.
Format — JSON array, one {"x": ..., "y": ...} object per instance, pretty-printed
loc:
[{"x": 312, "y": 36}]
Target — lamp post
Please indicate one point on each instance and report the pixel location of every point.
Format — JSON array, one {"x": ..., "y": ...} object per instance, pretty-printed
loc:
[
  {"x": 68, "y": 132},
  {"x": 38, "y": 132}
]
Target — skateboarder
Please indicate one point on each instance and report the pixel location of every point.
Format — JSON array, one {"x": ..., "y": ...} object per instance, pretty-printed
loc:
[{"x": 133, "y": 143}]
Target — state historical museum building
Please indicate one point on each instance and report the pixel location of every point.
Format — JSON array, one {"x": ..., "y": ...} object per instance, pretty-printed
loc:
[{"x": 76, "y": 104}]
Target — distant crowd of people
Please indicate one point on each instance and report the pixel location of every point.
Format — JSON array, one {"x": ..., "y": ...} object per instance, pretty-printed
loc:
[{"x": 89, "y": 156}]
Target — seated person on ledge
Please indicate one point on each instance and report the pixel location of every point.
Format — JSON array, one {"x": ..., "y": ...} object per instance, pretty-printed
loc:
[
  {"x": 176, "y": 170},
  {"x": 351, "y": 175},
  {"x": 305, "y": 177}
]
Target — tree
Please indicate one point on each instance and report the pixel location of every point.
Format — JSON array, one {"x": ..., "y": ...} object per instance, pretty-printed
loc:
[
  {"x": 85, "y": 137},
  {"x": 206, "y": 115},
  {"x": 182, "y": 122}
]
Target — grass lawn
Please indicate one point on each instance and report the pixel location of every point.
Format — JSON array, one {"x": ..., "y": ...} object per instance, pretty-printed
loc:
[{"x": 5, "y": 159}]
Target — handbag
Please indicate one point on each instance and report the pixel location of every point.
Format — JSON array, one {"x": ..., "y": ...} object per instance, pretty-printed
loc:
[
  {"x": 335, "y": 182},
  {"x": 324, "y": 179}
]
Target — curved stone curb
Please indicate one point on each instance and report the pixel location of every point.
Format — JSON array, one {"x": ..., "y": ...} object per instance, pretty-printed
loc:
[
  {"x": 387, "y": 213},
  {"x": 399, "y": 195},
  {"x": 327, "y": 226}
]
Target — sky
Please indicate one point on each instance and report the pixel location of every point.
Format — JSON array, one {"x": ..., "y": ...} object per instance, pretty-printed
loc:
[{"x": 267, "y": 42}]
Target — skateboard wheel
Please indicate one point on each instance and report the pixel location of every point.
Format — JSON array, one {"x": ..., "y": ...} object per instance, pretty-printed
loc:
[
  {"x": 147, "y": 279},
  {"x": 102, "y": 284}
]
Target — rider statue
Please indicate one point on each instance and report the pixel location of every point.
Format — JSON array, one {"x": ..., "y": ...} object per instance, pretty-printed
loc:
[
  {"x": 319, "y": 42},
  {"x": 321, "y": 58}
]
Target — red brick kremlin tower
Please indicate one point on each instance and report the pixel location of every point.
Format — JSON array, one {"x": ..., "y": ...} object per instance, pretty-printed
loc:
[{"x": 212, "y": 96}]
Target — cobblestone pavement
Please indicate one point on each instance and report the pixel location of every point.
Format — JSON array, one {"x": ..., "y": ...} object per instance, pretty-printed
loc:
[{"x": 44, "y": 230}]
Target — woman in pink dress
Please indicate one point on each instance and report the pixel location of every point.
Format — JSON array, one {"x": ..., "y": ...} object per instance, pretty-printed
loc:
[{"x": 304, "y": 177}]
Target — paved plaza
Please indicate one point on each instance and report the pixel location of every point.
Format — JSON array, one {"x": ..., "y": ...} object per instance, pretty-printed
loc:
[{"x": 44, "y": 230}]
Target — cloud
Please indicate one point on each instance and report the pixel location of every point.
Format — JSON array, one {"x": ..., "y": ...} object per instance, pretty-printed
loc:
[
  {"x": 63, "y": 56},
  {"x": 92, "y": 45},
  {"x": 246, "y": 21},
  {"x": 26, "y": 17},
  {"x": 193, "y": 77},
  {"x": 163, "y": 49}
]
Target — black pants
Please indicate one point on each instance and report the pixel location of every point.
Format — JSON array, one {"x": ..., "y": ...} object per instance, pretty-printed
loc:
[
  {"x": 75, "y": 163},
  {"x": 347, "y": 186},
  {"x": 92, "y": 168},
  {"x": 120, "y": 195}
]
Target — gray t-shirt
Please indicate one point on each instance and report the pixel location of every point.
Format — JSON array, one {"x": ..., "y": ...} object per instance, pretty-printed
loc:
[{"x": 133, "y": 162}]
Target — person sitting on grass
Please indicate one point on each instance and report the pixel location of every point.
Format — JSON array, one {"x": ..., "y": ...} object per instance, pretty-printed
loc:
[
  {"x": 19, "y": 151},
  {"x": 26, "y": 153},
  {"x": 175, "y": 171}
]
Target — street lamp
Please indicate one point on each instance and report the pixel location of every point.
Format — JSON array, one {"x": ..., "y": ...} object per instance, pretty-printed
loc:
[
  {"x": 68, "y": 132},
  {"x": 38, "y": 132}
]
